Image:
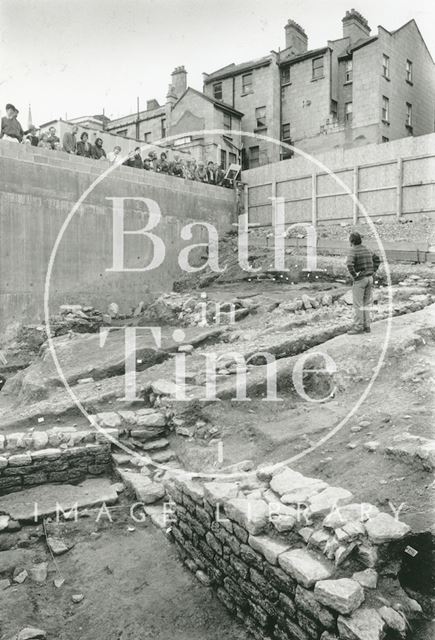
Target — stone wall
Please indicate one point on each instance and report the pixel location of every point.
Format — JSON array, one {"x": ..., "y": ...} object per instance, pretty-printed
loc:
[
  {"x": 38, "y": 189},
  {"x": 21, "y": 470},
  {"x": 292, "y": 557},
  {"x": 70, "y": 454}
]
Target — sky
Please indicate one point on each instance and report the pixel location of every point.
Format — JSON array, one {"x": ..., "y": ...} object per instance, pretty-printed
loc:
[{"x": 69, "y": 58}]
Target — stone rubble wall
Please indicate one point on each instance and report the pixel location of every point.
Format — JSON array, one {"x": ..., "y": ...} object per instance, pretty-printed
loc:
[
  {"x": 68, "y": 454},
  {"x": 290, "y": 556},
  {"x": 21, "y": 470}
]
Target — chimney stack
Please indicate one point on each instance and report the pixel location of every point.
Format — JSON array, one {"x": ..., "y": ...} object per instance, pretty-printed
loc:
[
  {"x": 152, "y": 104},
  {"x": 295, "y": 37},
  {"x": 179, "y": 80},
  {"x": 355, "y": 26}
]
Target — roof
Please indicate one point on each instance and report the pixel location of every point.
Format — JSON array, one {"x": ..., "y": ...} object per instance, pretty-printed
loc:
[
  {"x": 286, "y": 57},
  {"x": 412, "y": 21},
  {"x": 235, "y": 69},
  {"x": 217, "y": 103},
  {"x": 135, "y": 117}
]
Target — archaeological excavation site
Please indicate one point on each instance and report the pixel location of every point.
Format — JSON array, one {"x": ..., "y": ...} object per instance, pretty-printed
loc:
[{"x": 215, "y": 452}]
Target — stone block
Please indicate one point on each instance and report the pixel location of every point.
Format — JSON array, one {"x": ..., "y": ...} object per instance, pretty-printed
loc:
[
  {"x": 39, "y": 439},
  {"x": 306, "y": 601},
  {"x": 35, "y": 478},
  {"x": 20, "y": 460},
  {"x": 263, "y": 585},
  {"x": 240, "y": 567},
  {"x": 363, "y": 624},
  {"x": 220, "y": 492},
  {"x": 367, "y": 578},
  {"x": 310, "y": 626},
  {"x": 305, "y": 567},
  {"x": 295, "y": 486},
  {"x": 3, "y": 462},
  {"x": 280, "y": 580},
  {"x": 348, "y": 513},
  {"x": 251, "y": 557},
  {"x": 268, "y": 547},
  {"x": 253, "y": 515},
  {"x": 240, "y": 533},
  {"x": 343, "y": 595},
  {"x": 394, "y": 620},
  {"x": 295, "y": 632},
  {"x": 328, "y": 499},
  {"x": 194, "y": 490},
  {"x": 383, "y": 528},
  {"x": 46, "y": 454},
  {"x": 214, "y": 543}
]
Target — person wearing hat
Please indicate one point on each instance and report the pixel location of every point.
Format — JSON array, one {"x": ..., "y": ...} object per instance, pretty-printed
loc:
[{"x": 10, "y": 128}]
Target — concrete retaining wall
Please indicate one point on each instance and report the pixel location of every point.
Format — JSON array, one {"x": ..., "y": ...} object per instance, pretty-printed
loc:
[
  {"x": 390, "y": 180},
  {"x": 38, "y": 189}
]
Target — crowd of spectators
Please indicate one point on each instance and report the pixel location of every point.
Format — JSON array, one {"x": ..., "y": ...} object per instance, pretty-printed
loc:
[{"x": 190, "y": 169}]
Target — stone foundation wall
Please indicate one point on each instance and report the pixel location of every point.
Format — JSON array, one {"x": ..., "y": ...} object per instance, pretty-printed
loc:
[
  {"x": 293, "y": 558},
  {"x": 70, "y": 454},
  {"x": 21, "y": 470}
]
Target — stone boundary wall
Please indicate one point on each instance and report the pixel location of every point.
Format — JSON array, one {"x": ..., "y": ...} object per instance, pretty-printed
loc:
[
  {"x": 22, "y": 470},
  {"x": 390, "y": 180},
  {"x": 38, "y": 189},
  {"x": 292, "y": 557},
  {"x": 69, "y": 454}
]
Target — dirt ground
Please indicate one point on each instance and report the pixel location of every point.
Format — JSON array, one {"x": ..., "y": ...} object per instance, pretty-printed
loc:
[{"x": 134, "y": 588}]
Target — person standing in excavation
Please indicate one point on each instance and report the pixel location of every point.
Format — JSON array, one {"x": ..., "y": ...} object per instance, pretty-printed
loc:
[{"x": 361, "y": 264}]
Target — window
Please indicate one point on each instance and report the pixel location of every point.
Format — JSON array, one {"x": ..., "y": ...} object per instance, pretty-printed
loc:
[
  {"x": 348, "y": 111},
  {"x": 254, "y": 157},
  {"x": 317, "y": 65},
  {"x": 285, "y": 132},
  {"x": 223, "y": 159},
  {"x": 122, "y": 132},
  {"x": 247, "y": 83},
  {"x": 163, "y": 127},
  {"x": 385, "y": 109},
  {"x": 147, "y": 136},
  {"x": 409, "y": 71},
  {"x": 386, "y": 66},
  {"x": 285, "y": 76},
  {"x": 385, "y": 139},
  {"x": 217, "y": 90},
  {"x": 283, "y": 92},
  {"x": 334, "y": 109},
  {"x": 232, "y": 159},
  {"x": 227, "y": 121},
  {"x": 408, "y": 121},
  {"x": 260, "y": 117},
  {"x": 348, "y": 71}
]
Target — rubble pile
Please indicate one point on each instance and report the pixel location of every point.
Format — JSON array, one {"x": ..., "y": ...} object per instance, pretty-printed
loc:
[{"x": 292, "y": 556}]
